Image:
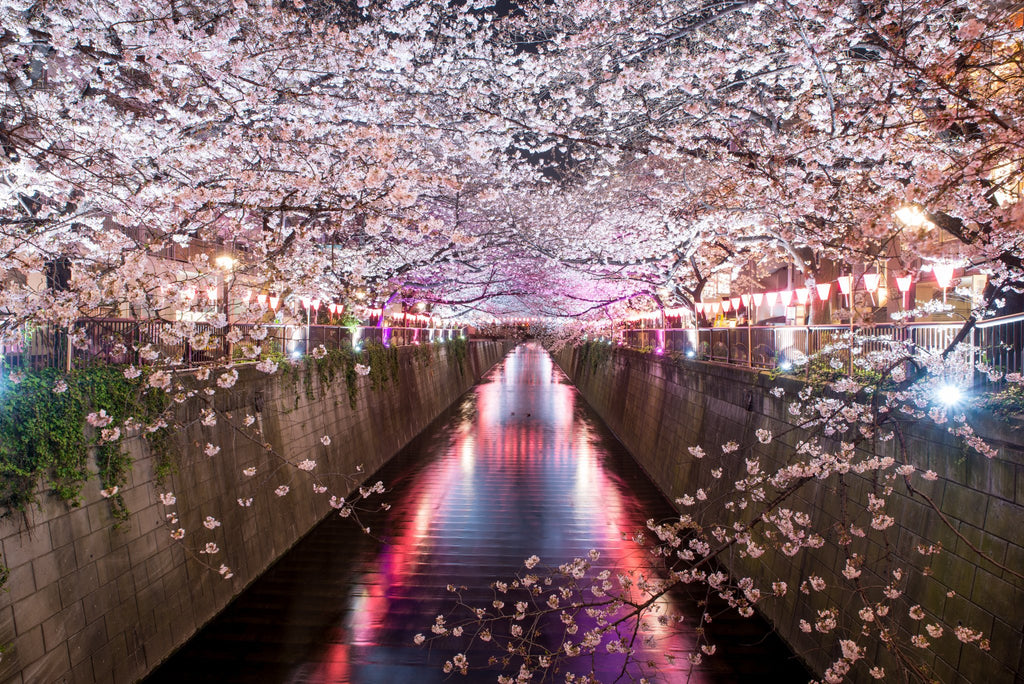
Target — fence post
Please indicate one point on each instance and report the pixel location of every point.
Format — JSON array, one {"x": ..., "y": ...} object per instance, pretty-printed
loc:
[
  {"x": 750, "y": 345},
  {"x": 973, "y": 342},
  {"x": 68, "y": 350}
]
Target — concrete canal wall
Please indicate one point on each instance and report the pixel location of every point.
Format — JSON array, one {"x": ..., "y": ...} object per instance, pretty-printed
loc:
[
  {"x": 658, "y": 407},
  {"x": 91, "y": 602}
]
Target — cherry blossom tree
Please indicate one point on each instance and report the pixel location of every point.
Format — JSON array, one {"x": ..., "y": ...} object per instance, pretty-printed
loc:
[{"x": 533, "y": 159}]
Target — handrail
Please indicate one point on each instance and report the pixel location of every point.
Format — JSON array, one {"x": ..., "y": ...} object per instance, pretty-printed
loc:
[
  {"x": 997, "y": 343},
  {"x": 128, "y": 341}
]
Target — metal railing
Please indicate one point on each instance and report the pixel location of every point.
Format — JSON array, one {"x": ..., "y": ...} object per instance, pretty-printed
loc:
[
  {"x": 95, "y": 341},
  {"x": 998, "y": 342}
]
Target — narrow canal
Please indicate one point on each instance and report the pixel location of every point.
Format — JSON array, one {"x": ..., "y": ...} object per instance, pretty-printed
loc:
[{"x": 519, "y": 466}]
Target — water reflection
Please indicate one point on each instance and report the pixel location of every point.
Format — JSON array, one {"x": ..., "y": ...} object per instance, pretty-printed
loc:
[{"x": 518, "y": 467}]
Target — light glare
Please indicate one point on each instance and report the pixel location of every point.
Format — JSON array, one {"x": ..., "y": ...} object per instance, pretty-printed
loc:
[{"x": 949, "y": 395}]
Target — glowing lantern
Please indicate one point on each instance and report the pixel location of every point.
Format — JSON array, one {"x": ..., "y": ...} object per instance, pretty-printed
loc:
[
  {"x": 802, "y": 294},
  {"x": 823, "y": 290},
  {"x": 274, "y": 301},
  {"x": 315, "y": 304},
  {"x": 785, "y": 297},
  {"x": 735, "y": 303},
  {"x": 943, "y": 276},
  {"x": 261, "y": 299},
  {"x": 758, "y": 298},
  {"x": 871, "y": 281},
  {"x": 845, "y": 284},
  {"x": 769, "y": 298},
  {"x": 726, "y": 305},
  {"x": 903, "y": 284},
  {"x": 745, "y": 299}
]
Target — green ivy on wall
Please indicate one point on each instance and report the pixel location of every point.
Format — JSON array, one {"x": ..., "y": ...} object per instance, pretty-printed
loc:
[
  {"x": 44, "y": 440},
  {"x": 456, "y": 349},
  {"x": 595, "y": 353},
  {"x": 383, "y": 362}
]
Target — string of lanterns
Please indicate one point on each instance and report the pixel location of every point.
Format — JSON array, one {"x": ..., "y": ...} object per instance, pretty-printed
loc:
[
  {"x": 844, "y": 285},
  {"x": 802, "y": 296}
]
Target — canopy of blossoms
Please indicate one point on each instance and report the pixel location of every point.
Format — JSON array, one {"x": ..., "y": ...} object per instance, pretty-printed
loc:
[
  {"x": 569, "y": 161},
  {"x": 549, "y": 159}
]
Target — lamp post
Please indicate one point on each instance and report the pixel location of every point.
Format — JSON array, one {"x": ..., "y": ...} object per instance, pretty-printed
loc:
[{"x": 225, "y": 265}]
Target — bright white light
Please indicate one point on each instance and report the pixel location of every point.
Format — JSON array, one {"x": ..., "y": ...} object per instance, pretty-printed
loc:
[
  {"x": 949, "y": 395},
  {"x": 786, "y": 365},
  {"x": 690, "y": 354},
  {"x": 913, "y": 217},
  {"x": 225, "y": 262}
]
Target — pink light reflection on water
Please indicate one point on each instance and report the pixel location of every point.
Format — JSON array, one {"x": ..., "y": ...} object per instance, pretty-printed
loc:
[
  {"x": 520, "y": 466},
  {"x": 524, "y": 456}
]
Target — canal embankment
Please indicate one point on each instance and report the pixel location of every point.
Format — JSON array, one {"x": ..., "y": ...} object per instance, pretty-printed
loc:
[
  {"x": 660, "y": 407},
  {"x": 89, "y": 600}
]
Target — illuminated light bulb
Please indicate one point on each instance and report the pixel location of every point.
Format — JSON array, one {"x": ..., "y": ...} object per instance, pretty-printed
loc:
[
  {"x": 690, "y": 353},
  {"x": 802, "y": 294},
  {"x": 823, "y": 290},
  {"x": 845, "y": 284},
  {"x": 912, "y": 217},
  {"x": 871, "y": 281},
  {"x": 225, "y": 262}
]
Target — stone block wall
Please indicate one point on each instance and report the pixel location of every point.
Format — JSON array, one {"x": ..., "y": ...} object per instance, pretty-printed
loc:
[
  {"x": 88, "y": 602},
  {"x": 659, "y": 407}
]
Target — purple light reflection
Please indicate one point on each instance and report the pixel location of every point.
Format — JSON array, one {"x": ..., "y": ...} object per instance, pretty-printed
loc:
[{"x": 521, "y": 467}]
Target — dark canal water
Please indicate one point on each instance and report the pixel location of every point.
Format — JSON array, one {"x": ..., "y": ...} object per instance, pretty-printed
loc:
[{"x": 519, "y": 466}]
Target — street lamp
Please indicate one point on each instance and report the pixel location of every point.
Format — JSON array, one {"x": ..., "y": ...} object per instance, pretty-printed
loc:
[{"x": 226, "y": 262}]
